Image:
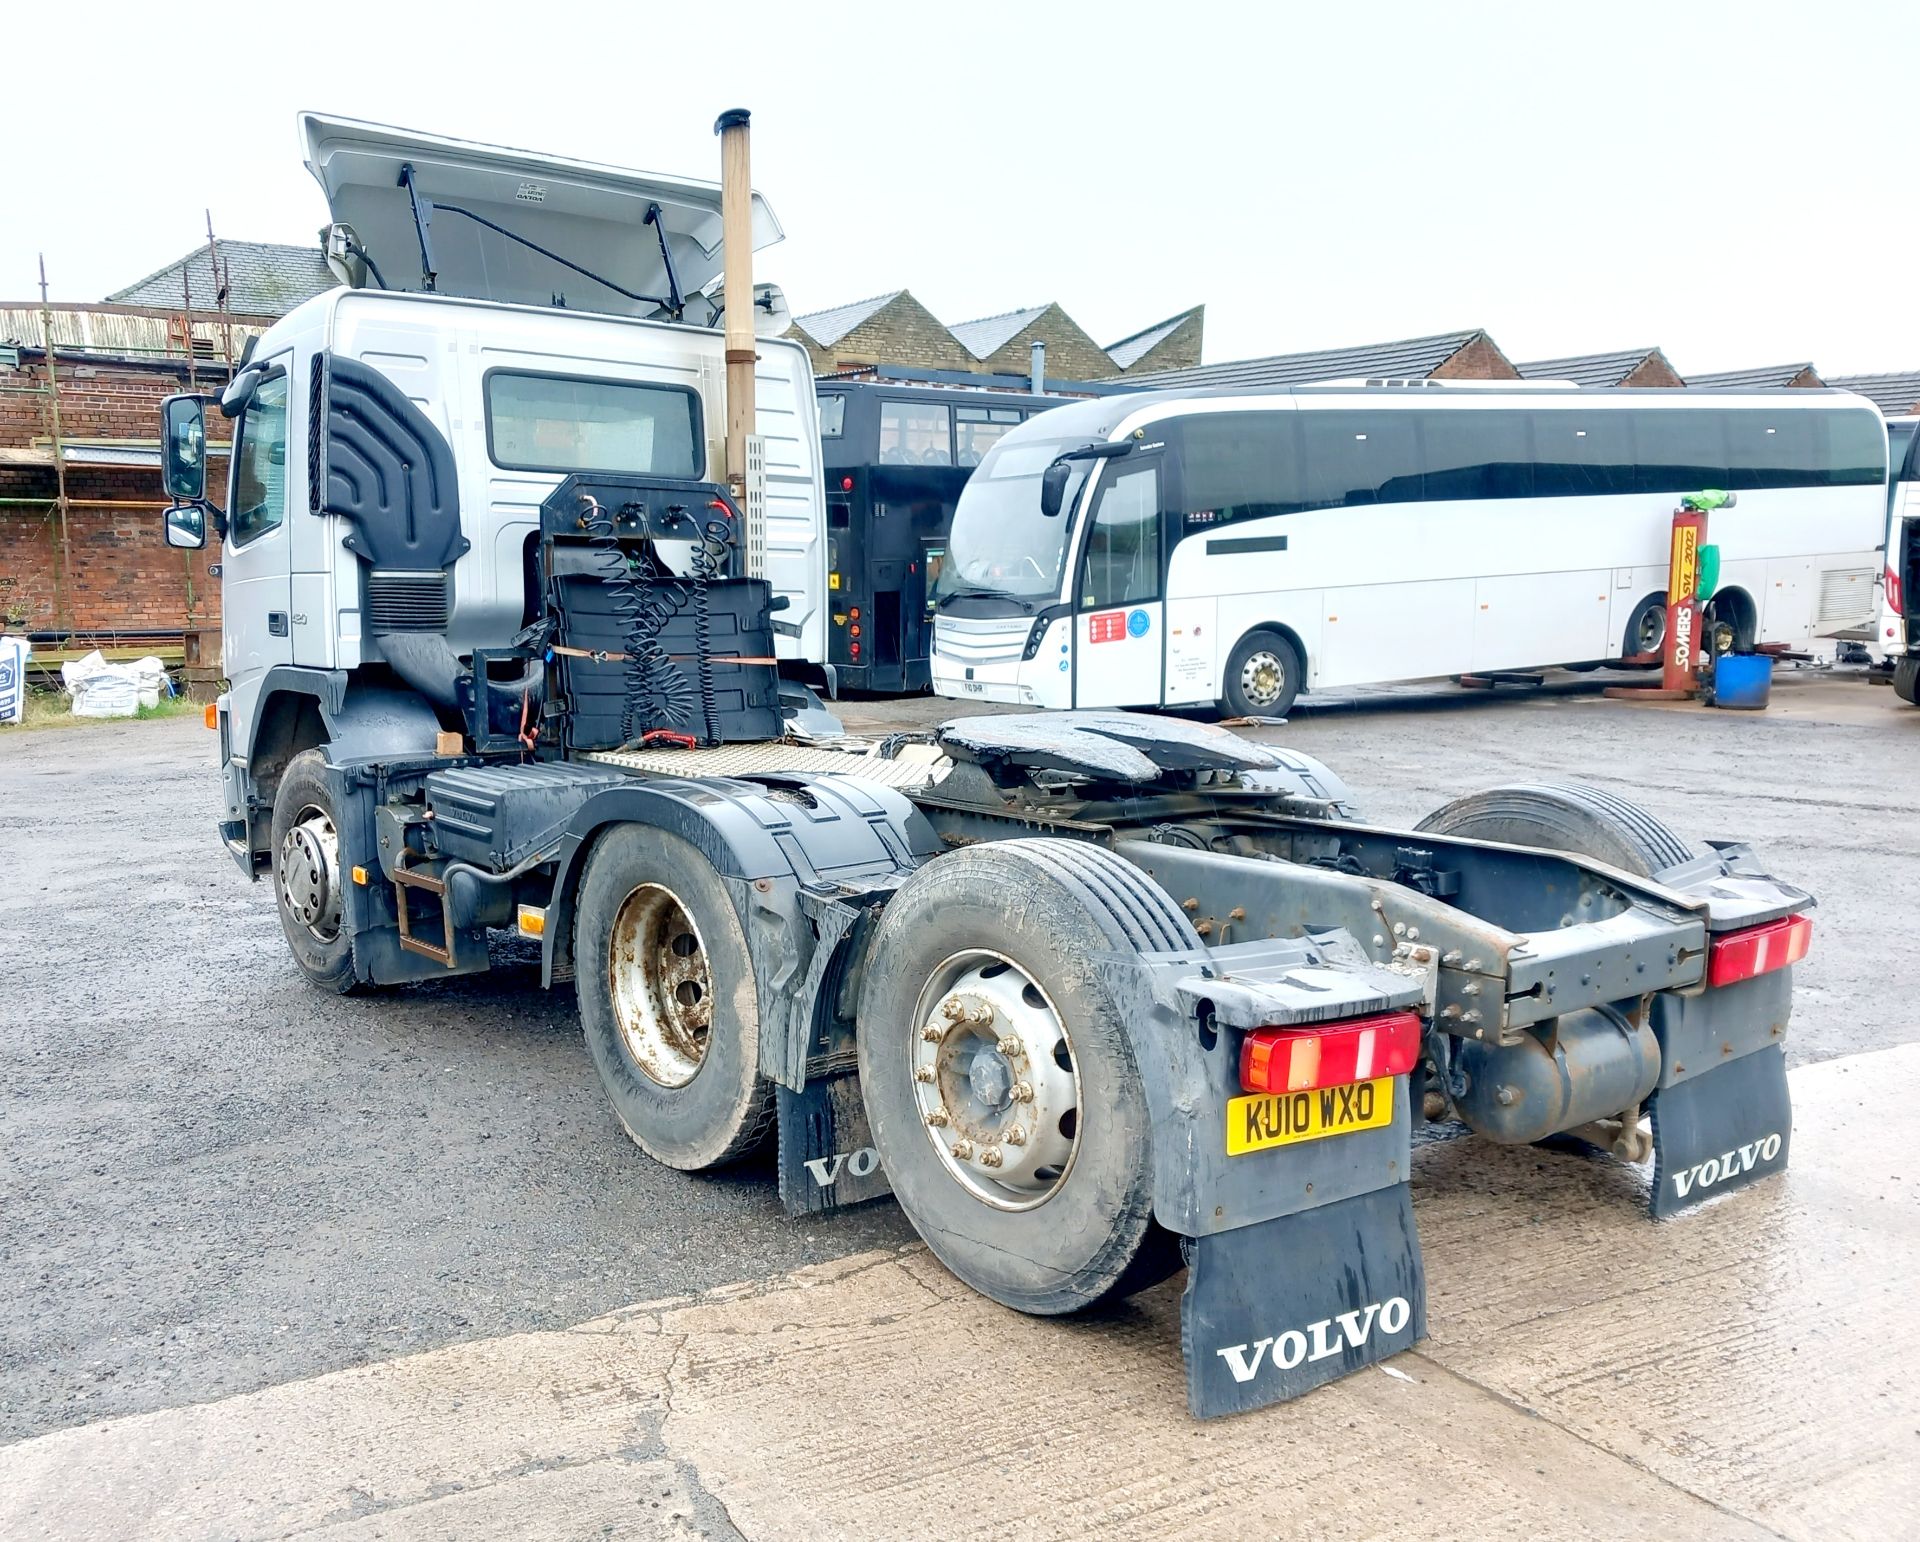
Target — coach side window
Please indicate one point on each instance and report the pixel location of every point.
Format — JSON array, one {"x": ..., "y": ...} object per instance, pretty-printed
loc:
[
  {"x": 1579, "y": 453},
  {"x": 1470, "y": 452},
  {"x": 1234, "y": 466},
  {"x": 1361, "y": 457}
]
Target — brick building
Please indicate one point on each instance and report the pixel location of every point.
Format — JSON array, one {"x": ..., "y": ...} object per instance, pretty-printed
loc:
[
  {"x": 1896, "y": 395},
  {"x": 1632, "y": 367},
  {"x": 1448, "y": 356},
  {"x": 1771, "y": 377},
  {"x": 896, "y": 329}
]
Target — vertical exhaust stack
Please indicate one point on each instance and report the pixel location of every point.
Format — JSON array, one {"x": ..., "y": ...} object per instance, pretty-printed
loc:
[
  {"x": 1038, "y": 356},
  {"x": 736, "y": 234}
]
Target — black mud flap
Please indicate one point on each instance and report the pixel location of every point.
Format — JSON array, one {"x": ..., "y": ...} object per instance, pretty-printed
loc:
[
  {"x": 1276, "y": 1309},
  {"x": 827, "y": 1156},
  {"x": 1720, "y": 1130}
]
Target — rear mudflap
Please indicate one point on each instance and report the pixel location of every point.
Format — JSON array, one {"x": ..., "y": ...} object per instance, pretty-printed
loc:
[
  {"x": 1280, "y": 1307},
  {"x": 827, "y": 1158},
  {"x": 1720, "y": 1130}
]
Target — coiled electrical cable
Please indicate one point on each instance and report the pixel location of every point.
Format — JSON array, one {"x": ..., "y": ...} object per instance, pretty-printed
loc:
[
  {"x": 716, "y": 539},
  {"x": 642, "y": 603}
]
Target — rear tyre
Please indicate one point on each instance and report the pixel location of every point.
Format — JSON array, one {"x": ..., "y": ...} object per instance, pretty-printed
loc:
[
  {"x": 1646, "y": 627},
  {"x": 667, "y": 1000},
  {"x": 307, "y": 874},
  {"x": 999, "y": 1076},
  {"x": 1583, "y": 821},
  {"x": 1263, "y": 676},
  {"x": 1906, "y": 680}
]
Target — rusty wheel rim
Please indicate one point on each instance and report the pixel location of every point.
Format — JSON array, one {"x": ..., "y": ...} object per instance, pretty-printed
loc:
[
  {"x": 662, "y": 985},
  {"x": 995, "y": 1080}
]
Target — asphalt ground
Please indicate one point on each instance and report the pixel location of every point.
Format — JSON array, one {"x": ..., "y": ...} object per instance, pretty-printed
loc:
[{"x": 217, "y": 1181}]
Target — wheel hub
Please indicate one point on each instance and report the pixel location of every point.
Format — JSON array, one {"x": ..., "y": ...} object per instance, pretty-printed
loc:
[
  {"x": 995, "y": 1081},
  {"x": 308, "y": 871},
  {"x": 662, "y": 985},
  {"x": 1262, "y": 677}
]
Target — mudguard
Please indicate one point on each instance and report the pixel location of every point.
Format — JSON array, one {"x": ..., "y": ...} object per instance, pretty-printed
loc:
[
  {"x": 1276, "y": 1309},
  {"x": 1720, "y": 1131}
]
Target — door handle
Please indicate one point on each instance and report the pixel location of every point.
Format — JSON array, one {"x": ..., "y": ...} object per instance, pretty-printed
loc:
[{"x": 277, "y": 623}]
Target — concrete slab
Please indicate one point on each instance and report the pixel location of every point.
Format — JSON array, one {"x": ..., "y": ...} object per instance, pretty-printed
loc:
[{"x": 1750, "y": 1370}]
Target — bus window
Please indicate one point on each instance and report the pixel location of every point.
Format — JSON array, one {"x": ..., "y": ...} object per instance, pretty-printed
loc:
[
  {"x": 976, "y": 428},
  {"x": 1680, "y": 450},
  {"x": 1470, "y": 453},
  {"x": 1237, "y": 465},
  {"x": 833, "y": 414},
  {"x": 1579, "y": 454},
  {"x": 1122, "y": 562},
  {"x": 915, "y": 434},
  {"x": 1360, "y": 457},
  {"x": 1769, "y": 449}
]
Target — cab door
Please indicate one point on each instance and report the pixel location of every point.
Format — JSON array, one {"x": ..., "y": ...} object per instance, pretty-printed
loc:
[
  {"x": 256, "y": 568},
  {"x": 1119, "y": 591}
]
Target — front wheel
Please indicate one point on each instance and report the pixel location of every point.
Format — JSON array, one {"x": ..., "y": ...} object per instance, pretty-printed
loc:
[
  {"x": 1263, "y": 676},
  {"x": 999, "y": 1074},
  {"x": 307, "y": 874}
]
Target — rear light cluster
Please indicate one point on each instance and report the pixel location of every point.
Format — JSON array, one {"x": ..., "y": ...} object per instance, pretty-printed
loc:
[
  {"x": 1894, "y": 596},
  {"x": 1279, "y": 1060},
  {"x": 1758, "y": 950}
]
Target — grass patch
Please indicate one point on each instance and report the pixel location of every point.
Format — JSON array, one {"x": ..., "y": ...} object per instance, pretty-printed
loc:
[{"x": 54, "y": 709}]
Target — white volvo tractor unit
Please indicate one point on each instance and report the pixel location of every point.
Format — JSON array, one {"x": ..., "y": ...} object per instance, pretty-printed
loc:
[{"x": 1095, "y": 996}]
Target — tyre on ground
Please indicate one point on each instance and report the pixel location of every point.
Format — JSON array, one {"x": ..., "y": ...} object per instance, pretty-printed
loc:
[
  {"x": 999, "y": 1075},
  {"x": 1646, "y": 627},
  {"x": 667, "y": 1000},
  {"x": 1264, "y": 675},
  {"x": 1906, "y": 679},
  {"x": 305, "y": 859}
]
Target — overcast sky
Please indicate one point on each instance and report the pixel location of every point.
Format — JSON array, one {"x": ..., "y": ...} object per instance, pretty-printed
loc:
[{"x": 1736, "y": 183}]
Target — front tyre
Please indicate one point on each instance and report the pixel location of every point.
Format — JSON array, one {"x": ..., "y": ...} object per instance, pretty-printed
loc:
[
  {"x": 999, "y": 1076},
  {"x": 1263, "y": 676},
  {"x": 667, "y": 1000},
  {"x": 307, "y": 874}
]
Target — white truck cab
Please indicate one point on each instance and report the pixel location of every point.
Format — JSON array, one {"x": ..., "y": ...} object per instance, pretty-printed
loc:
[{"x": 541, "y": 318}]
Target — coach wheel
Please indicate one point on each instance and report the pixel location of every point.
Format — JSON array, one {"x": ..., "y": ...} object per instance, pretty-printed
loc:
[
  {"x": 1647, "y": 626},
  {"x": 1906, "y": 680},
  {"x": 1263, "y": 676},
  {"x": 999, "y": 1074},
  {"x": 667, "y": 1000}
]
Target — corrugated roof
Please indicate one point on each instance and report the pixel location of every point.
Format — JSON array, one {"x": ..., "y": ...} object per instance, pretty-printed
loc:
[
  {"x": 1750, "y": 379},
  {"x": 266, "y": 279},
  {"x": 827, "y": 327},
  {"x": 1896, "y": 394},
  {"x": 1129, "y": 349},
  {"x": 987, "y": 335},
  {"x": 1589, "y": 369},
  {"x": 1412, "y": 358}
]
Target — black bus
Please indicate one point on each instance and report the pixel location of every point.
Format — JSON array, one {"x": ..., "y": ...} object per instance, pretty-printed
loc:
[{"x": 896, "y": 458}]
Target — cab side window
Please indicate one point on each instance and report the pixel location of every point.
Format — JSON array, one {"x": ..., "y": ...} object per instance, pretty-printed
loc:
[
  {"x": 259, "y": 499},
  {"x": 1122, "y": 562}
]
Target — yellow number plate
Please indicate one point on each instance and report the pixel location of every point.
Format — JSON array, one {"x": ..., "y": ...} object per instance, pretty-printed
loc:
[{"x": 1280, "y": 1119}]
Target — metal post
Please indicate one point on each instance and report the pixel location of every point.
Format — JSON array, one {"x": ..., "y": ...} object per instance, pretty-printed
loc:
[
  {"x": 186, "y": 295},
  {"x": 1681, "y": 654},
  {"x": 222, "y": 292},
  {"x": 736, "y": 231},
  {"x": 1039, "y": 358},
  {"x": 65, "y": 563}
]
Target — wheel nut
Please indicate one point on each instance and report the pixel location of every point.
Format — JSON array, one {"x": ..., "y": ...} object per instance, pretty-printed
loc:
[
  {"x": 990, "y": 1157},
  {"x": 1015, "y": 1136},
  {"x": 937, "y": 1118},
  {"x": 963, "y": 1150},
  {"x": 1022, "y": 1093},
  {"x": 931, "y": 1034},
  {"x": 1008, "y": 1046},
  {"x": 924, "y": 1074}
]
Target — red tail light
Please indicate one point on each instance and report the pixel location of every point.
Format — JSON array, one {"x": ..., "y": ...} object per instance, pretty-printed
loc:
[
  {"x": 1893, "y": 591},
  {"x": 1758, "y": 950},
  {"x": 1330, "y": 1054}
]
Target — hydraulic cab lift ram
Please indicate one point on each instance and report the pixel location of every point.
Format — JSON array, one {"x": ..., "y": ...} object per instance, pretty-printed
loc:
[{"x": 1094, "y": 995}]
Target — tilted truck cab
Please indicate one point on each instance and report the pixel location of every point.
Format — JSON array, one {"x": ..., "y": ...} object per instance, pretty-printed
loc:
[{"x": 1094, "y": 995}]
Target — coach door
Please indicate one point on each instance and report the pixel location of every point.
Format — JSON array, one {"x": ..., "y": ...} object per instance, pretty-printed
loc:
[{"x": 1119, "y": 612}]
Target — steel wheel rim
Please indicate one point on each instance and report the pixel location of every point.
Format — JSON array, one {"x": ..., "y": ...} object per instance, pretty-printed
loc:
[
  {"x": 995, "y": 1081},
  {"x": 1652, "y": 631},
  {"x": 307, "y": 873},
  {"x": 662, "y": 985},
  {"x": 1263, "y": 677}
]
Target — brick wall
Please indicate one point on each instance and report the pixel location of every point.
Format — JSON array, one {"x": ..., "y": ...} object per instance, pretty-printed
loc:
[
  {"x": 1653, "y": 370},
  {"x": 1478, "y": 360},
  {"x": 903, "y": 331},
  {"x": 123, "y": 576},
  {"x": 1071, "y": 354},
  {"x": 1179, "y": 349}
]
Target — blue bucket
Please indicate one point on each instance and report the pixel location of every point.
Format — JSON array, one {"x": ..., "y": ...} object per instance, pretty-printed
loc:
[{"x": 1742, "y": 681}]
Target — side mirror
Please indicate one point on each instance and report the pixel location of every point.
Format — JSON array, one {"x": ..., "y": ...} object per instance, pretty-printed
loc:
[
  {"x": 183, "y": 452},
  {"x": 186, "y": 525},
  {"x": 1053, "y": 487}
]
